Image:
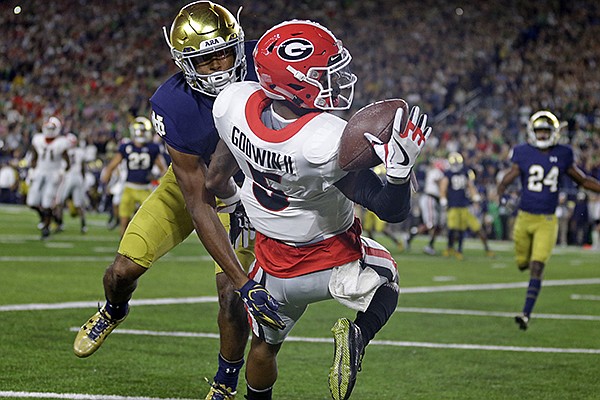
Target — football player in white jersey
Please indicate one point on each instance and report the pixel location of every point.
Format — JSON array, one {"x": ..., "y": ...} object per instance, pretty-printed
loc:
[
  {"x": 73, "y": 185},
  {"x": 429, "y": 204},
  {"x": 308, "y": 244},
  {"x": 48, "y": 150}
]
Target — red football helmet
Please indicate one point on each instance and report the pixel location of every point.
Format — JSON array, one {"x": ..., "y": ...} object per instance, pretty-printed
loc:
[{"x": 303, "y": 62}]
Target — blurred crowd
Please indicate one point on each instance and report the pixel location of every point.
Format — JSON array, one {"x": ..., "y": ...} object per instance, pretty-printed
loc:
[{"x": 479, "y": 69}]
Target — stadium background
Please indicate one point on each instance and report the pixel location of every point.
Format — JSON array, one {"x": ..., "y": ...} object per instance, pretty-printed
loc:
[{"x": 478, "y": 69}]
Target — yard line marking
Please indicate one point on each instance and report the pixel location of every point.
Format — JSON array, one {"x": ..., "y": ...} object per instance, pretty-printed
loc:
[
  {"x": 494, "y": 313},
  {"x": 77, "y": 396},
  {"x": 496, "y": 286},
  {"x": 585, "y": 297},
  {"x": 394, "y": 343},
  {"x": 94, "y": 258},
  {"x": 94, "y": 304}
]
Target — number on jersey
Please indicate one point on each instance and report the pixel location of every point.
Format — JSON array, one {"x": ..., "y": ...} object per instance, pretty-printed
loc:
[{"x": 537, "y": 180}]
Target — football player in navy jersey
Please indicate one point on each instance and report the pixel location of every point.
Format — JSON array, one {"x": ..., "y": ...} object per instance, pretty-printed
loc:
[
  {"x": 457, "y": 192},
  {"x": 207, "y": 44},
  {"x": 140, "y": 155},
  {"x": 540, "y": 164}
]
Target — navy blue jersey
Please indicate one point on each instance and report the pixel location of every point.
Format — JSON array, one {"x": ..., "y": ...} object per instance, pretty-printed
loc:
[
  {"x": 183, "y": 116},
  {"x": 458, "y": 184},
  {"x": 541, "y": 174},
  {"x": 139, "y": 161}
]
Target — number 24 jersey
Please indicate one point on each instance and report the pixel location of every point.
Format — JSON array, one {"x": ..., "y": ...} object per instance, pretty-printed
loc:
[{"x": 541, "y": 174}]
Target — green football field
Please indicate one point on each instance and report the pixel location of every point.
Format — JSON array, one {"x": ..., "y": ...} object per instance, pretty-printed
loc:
[{"x": 453, "y": 335}]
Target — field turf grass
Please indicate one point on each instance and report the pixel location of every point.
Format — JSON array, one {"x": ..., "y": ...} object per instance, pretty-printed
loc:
[{"x": 453, "y": 335}]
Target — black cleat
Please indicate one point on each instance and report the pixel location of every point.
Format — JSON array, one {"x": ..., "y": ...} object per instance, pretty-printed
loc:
[{"x": 522, "y": 321}]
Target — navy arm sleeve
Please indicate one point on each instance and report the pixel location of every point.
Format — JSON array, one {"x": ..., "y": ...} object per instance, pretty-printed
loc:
[{"x": 389, "y": 202}]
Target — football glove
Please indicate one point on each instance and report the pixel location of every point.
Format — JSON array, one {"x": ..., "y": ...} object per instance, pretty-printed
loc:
[
  {"x": 401, "y": 152},
  {"x": 261, "y": 304},
  {"x": 241, "y": 231}
]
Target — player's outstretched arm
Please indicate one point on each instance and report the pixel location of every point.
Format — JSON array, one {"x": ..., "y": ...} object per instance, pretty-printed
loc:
[
  {"x": 108, "y": 170},
  {"x": 191, "y": 172},
  {"x": 222, "y": 167},
  {"x": 583, "y": 180},
  {"x": 507, "y": 179},
  {"x": 390, "y": 200}
]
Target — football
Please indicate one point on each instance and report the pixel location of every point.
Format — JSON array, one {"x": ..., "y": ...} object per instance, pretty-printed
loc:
[{"x": 355, "y": 152}]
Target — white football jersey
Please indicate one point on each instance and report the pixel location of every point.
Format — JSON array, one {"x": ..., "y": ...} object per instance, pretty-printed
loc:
[
  {"x": 288, "y": 192},
  {"x": 77, "y": 157},
  {"x": 433, "y": 176},
  {"x": 49, "y": 153}
]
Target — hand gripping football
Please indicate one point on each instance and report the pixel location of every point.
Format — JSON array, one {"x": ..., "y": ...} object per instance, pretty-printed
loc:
[{"x": 355, "y": 152}]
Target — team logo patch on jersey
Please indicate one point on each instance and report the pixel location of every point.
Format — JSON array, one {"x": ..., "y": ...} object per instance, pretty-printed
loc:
[{"x": 296, "y": 49}]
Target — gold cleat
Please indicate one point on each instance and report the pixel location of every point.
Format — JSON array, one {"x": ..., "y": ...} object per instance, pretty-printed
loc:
[
  {"x": 448, "y": 252},
  {"x": 92, "y": 334},
  {"x": 218, "y": 391}
]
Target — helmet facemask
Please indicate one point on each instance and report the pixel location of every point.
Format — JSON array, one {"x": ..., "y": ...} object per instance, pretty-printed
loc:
[
  {"x": 52, "y": 128},
  {"x": 543, "y": 130},
  {"x": 455, "y": 161},
  {"x": 201, "y": 33},
  {"x": 336, "y": 84},
  {"x": 303, "y": 62},
  {"x": 140, "y": 130}
]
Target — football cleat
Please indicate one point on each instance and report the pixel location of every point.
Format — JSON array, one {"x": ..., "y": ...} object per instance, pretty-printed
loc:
[
  {"x": 429, "y": 250},
  {"x": 522, "y": 320},
  {"x": 92, "y": 334},
  {"x": 218, "y": 391},
  {"x": 459, "y": 256},
  {"x": 523, "y": 267},
  {"x": 45, "y": 232},
  {"x": 448, "y": 252},
  {"x": 490, "y": 254},
  {"x": 349, "y": 349}
]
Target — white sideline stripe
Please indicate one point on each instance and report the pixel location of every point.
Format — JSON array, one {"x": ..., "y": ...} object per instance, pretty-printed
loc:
[
  {"x": 93, "y": 258},
  {"x": 496, "y": 286},
  {"x": 494, "y": 313},
  {"x": 94, "y": 304},
  {"x": 585, "y": 297},
  {"x": 194, "y": 300},
  {"x": 373, "y": 342},
  {"x": 77, "y": 396}
]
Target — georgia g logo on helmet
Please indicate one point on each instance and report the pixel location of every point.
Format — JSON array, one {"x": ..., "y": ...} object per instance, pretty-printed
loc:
[{"x": 295, "y": 49}]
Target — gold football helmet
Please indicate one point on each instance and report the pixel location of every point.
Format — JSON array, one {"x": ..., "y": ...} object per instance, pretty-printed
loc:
[
  {"x": 543, "y": 129},
  {"x": 204, "y": 31},
  {"x": 141, "y": 130},
  {"x": 455, "y": 161}
]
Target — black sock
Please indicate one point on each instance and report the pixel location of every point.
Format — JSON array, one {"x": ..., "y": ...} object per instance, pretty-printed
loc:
[
  {"x": 380, "y": 310},
  {"x": 117, "y": 311},
  {"x": 264, "y": 394}
]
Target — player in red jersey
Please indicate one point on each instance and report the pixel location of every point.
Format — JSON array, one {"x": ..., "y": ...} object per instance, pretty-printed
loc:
[{"x": 308, "y": 243}]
